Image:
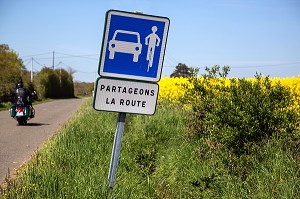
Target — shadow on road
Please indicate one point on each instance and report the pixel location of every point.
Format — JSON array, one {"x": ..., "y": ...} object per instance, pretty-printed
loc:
[{"x": 35, "y": 124}]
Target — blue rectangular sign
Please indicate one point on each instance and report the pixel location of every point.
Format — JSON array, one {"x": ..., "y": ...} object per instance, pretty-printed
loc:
[{"x": 133, "y": 46}]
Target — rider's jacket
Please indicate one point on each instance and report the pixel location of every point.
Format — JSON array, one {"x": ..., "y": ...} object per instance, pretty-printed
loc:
[{"x": 24, "y": 94}]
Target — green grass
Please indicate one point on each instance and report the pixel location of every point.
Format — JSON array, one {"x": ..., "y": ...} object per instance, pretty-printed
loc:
[
  {"x": 157, "y": 160},
  {"x": 4, "y": 106},
  {"x": 7, "y": 105}
]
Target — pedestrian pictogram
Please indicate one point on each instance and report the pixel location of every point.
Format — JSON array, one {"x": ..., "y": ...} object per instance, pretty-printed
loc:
[{"x": 133, "y": 46}]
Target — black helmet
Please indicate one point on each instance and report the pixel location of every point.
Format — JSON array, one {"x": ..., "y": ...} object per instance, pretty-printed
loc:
[{"x": 19, "y": 85}]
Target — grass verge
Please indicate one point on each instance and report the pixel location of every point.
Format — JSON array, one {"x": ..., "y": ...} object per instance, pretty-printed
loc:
[{"x": 157, "y": 161}]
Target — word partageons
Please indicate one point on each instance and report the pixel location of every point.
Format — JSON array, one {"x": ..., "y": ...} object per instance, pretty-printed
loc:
[{"x": 127, "y": 90}]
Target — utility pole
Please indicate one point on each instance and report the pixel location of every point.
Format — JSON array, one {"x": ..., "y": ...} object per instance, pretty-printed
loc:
[
  {"x": 31, "y": 72},
  {"x": 60, "y": 63},
  {"x": 53, "y": 61}
]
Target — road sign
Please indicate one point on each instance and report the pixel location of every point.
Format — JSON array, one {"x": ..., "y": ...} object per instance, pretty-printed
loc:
[
  {"x": 133, "y": 46},
  {"x": 125, "y": 96}
]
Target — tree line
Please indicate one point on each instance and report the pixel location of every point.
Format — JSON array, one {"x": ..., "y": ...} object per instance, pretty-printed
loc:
[
  {"x": 47, "y": 83},
  {"x": 182, "y": 70}
]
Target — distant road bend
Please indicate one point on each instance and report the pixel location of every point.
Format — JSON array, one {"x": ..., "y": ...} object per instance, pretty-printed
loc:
[{"x": 17, "y": 143}]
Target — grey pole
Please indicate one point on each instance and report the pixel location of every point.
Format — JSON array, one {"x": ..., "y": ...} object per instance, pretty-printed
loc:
[
  {"x": 116, "y": 150},
  {"x": 53, "y": 61},
  {"x": 31, "y": 70}
]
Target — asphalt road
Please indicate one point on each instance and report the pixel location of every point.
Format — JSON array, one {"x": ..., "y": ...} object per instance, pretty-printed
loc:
[{"x": 17, "y": 143}]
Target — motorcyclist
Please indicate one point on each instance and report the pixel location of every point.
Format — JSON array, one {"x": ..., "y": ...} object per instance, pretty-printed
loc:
[{"x": 23, "y": 95}]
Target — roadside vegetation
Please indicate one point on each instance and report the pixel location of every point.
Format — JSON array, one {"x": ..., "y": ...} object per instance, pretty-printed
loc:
[
  {"x": 48, "y": 83},
  {"x": 218, "y": 138},
  {"x": 211, "y": 137}
]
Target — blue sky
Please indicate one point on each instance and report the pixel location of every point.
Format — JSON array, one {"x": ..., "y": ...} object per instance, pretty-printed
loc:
[{"x": 250, "y": 35}]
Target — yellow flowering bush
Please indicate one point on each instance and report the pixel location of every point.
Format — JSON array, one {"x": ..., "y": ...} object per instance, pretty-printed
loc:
[
  {"x": 172, "y": 89},
  {"x": 240, "y": 112},
  {"x": 294, "y": 84}
]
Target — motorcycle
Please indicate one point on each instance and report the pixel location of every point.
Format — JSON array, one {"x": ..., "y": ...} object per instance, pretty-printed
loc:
[{"x": 21, "y": 112}]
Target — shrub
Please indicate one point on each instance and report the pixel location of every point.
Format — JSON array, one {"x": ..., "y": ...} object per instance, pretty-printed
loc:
[{"x": 240, "y": 114}]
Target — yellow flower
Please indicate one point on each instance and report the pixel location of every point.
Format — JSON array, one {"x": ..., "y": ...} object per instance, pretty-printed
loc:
[{"x": 172, "y": 89}]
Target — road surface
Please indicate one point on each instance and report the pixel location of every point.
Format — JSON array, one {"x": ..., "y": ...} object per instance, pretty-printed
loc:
[{"x": 17, "y": 143}]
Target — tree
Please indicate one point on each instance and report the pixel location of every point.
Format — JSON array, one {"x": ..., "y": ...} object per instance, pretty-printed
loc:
[
  {"x": 54, "y": 83},
  {"x": 83, "y": 88},
  {"x": 183, "y": 70},
  {"x": 47, "y": 83},
  {"x": 66, "y": 83},
  {"x": 11, "y": 67},
  {"x": 215, "y": 71}
]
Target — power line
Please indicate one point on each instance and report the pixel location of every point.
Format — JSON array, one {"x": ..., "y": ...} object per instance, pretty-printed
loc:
[
  {"x": 27, "y": 62},
  {"x": 170, "y": 59},
  {"x": 70, "y": 56},
  {"x": 78, "y": 55},
  {"x": 85, "y": 56},
  {"x": 36, "y": 55},
  {"x": 76, "y": 70},
  {"x": 249, "y": 66},
  {"x": 65, "y": 64},
  {"x": 85, "y": 72},
  {"x": 271, "y": 65},
  {"x": 88, "y": 56},
  {"x": 38, "y": 63}
]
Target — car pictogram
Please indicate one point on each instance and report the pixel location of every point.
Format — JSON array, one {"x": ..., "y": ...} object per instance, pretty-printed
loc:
[{"x": 120, "y": 43}]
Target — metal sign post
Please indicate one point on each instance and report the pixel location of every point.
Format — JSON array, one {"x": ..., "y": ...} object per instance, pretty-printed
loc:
[{"x": 116, "y": 150}]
